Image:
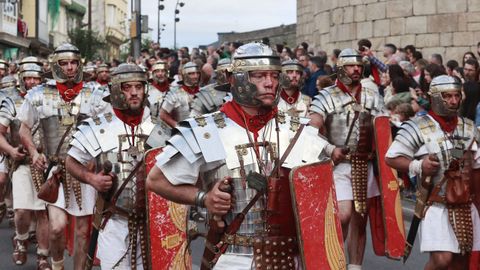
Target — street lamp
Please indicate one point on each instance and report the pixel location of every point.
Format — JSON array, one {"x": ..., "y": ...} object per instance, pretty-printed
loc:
[
  {"x": 160, "y": 7},
  {"x": 177, "y": 11}
]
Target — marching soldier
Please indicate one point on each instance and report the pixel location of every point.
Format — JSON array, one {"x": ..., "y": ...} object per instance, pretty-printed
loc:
[
  {"x": 158, "y": 88},
  {"x": 121, "y": 139},
  {"x": 176, "y": 106},
  {"x": 103, "y": 74},
  {"x": 24, "y": 191},
  {"x": 440, "y": 148},
  {"x": 211, "y": 97},
  {"x": 3, "y": 68},
  {"x": 344, "y": 114},
  {"x": 235, "y": 150},
  {"x": 292, "y": 101},
  {"x": 56, "y": 107}
]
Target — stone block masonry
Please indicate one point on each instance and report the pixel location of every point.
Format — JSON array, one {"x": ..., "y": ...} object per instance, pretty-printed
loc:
[{"x": 448, "y": 27}]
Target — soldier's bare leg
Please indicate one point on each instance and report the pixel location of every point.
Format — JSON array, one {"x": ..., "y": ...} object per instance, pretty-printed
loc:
[
  {"x": 22, "y": 223},
  {"x": 58, "y": 222},
  {"x": 345, "y": 213},
  {"x": 42, "y": 229},
  {"x": 439, "y": 260},
  {"x": 22, "y": 220},
  {"x": 3, "y": 190},
  {"x": 357, "y": 238},
  {"x": 81, "y": 242}
]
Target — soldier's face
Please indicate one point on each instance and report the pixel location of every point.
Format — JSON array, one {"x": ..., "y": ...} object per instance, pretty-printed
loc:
[
  {"x": 69, "y": 67},
  {"x": 161, "y": 74},
  {"x": 2, "y": 72},
  {"x": 194, "y": 77},
  {"x": 354, "y": 72},
  {"x": 267, "y": 85},
  {"x": 294, "y": 77},
  {"x": 103, "y": 75},
  {"x": 31, "y": 82},
  {"x": 134, "y": 93},
  {"x": 452, "y": 99}
]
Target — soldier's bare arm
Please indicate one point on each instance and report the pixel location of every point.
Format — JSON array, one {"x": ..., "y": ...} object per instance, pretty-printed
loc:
[
  {"x": 99, "y": 181},
  {"x": 167, "y": 118},
  {"x": 13, "y": 152},
  {"x": 216, "y": 201},
  {"x": 429, "y": 166},
  {"x": 39, "y": 160}
]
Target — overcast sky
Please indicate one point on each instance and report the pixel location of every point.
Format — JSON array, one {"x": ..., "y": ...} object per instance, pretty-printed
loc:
[{"x": 201, "y": 20}]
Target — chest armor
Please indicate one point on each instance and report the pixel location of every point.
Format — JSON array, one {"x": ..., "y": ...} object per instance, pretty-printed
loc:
[
  {"x": 340, "y": 120},
  {"x": 127, "y": 153},
  {"x": 298, "y": 109},
  {"x": 272, "y": 214},
  {"x": 182, "y": 111},
  {"x": 446, "y": 147},
  {"x": 15, "y": 124},
  {"x": 56, "y": 115},
  {"x": 155, "y": 100}
]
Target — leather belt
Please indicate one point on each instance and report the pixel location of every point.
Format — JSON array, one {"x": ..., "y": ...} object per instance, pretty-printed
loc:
[
  {"x": 239, "y": 240},
  {"x": 370, "y": 156}
]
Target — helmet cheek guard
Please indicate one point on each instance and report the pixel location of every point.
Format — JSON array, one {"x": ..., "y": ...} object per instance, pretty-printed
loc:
[
  {"x": 247, "y": 58},
  {"x": 125, "y": 73},
  {"x": 347, "y": 57},
  {"x": 66, "y": 51},
  {"x": 439, "y": 85}
]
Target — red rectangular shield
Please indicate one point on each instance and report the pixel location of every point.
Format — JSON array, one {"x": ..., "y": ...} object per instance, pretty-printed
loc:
[
  {"x": 167, "y": 228},
  {"x": 318, "y": 226},
  {"x": 390, "y": 192}
]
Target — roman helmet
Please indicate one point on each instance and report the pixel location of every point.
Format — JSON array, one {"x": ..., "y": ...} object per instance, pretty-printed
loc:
[
  {"x": 251, "y": 57},
  {"x": 66, "y": 51},
  {"x": 29, "y": 67},
  {"x": 160, "y": 64},
  {"x": 439, "y": 85},
  {"x": 223, "y": 67},
  {"x": 291, "y": 65},
  {"x": 347, "y": 57},
  {"x": 190, "y": 67},
  {"x": 125, "y": 73}
]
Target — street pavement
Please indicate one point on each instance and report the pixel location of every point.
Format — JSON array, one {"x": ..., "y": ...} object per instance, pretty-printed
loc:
[{"x": 416, "y": 260}]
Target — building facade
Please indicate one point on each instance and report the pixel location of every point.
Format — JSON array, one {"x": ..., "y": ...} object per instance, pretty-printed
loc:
[
  {"x": 12, "y": 45},
  {"x": 450, "y": 28},
  {"x": 283, "y": 34},
  {"x": 109, "y": 18}
]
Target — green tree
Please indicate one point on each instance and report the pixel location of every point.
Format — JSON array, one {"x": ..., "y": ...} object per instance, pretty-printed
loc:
[{"x": 90, "y": 43}]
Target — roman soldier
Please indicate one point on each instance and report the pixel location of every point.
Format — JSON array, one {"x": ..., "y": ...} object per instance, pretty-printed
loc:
[
  {"x": 27, "y": 206},
  {"x": 3, "y": 68},
  {"x": 344, "y": 113},
  {"x": 176, "y": 106},
  {"x": 211, "y": 97},
  {"x": 292, "y": 101},
  {"x": 56, "y": 107},
  {"x": 441, "y": 149},
  {"x": 103, "y": 74},
  {"x": 120, "y": 138},
  {"x": 234, "y": 151}
]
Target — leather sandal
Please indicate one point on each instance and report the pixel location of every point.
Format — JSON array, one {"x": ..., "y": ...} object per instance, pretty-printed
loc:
[
  {"x": 42, "y": 263},
  {"x": 19, "y": 255}
]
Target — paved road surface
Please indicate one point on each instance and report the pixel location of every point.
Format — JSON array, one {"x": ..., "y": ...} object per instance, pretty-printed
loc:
[{"x": 415, "y": 262}]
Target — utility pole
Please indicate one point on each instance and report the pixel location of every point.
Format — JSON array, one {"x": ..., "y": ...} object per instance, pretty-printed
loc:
[
  {"x": 89, "y": 15},
  {"x": 137, "y": 40}
]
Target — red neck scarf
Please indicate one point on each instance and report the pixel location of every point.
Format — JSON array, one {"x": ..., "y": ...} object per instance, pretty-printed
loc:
[
  {"x": 447, "y": 124},
  {"x": 252, "y": 123},
  {"x": 68, "y": 94},
  {"x": 131, "y": 120},
  {"x": 344, "y": 88},
  {"x": 163, "y": 87},
  {"x": 102, "y": 82},
  {"x": 289, "y": 99},
  {"x": 191, "y": 90}
]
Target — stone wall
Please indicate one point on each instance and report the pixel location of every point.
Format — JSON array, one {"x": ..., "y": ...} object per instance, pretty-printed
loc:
[
  {"x": 277, "y": 35},
  {"x": 448, "y": 27}
]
